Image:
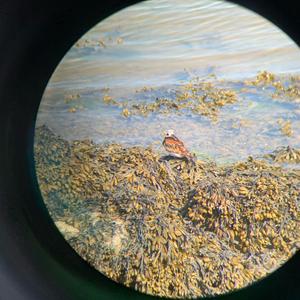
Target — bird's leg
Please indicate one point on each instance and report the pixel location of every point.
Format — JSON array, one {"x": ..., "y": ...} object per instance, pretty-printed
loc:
[
  {"x": 168, "y": 157},
  {"x": 163, "y": 158}
]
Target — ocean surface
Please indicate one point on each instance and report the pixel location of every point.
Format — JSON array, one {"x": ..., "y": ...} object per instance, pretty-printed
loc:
[{"x": 163, "y": 44}]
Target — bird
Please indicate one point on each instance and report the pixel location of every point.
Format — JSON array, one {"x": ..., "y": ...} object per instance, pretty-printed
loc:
[{"x": 176, "y": 147}]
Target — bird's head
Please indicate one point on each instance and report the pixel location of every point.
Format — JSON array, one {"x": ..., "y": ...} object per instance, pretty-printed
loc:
[{"x": 169, "y": 132}]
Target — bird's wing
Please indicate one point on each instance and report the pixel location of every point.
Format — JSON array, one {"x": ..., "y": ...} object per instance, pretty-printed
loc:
[{"x": 174, "y": 145}]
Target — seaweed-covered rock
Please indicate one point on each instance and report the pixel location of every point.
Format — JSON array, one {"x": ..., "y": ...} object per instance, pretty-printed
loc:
[
  {"x": 285, "y": 89},
  {"x": 285, "y": 155},
  {"x": 197, "y": 97},
  {"x": 166, "y": 227}
]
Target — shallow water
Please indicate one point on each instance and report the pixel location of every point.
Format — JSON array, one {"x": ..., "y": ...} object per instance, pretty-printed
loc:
[
  {"x": 248, "y": 127},
  {"x": 164, "y": 44}
]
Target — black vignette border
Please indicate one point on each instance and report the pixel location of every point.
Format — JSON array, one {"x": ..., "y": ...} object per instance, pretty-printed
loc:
[{"x": 35, "y": 261}]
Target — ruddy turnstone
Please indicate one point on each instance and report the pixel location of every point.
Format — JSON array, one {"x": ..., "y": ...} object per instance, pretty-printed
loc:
[{"x": 175, "y": 146}]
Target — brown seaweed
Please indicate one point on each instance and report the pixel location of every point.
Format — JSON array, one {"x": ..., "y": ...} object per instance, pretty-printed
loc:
[{"x": 165, "y": 227}]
